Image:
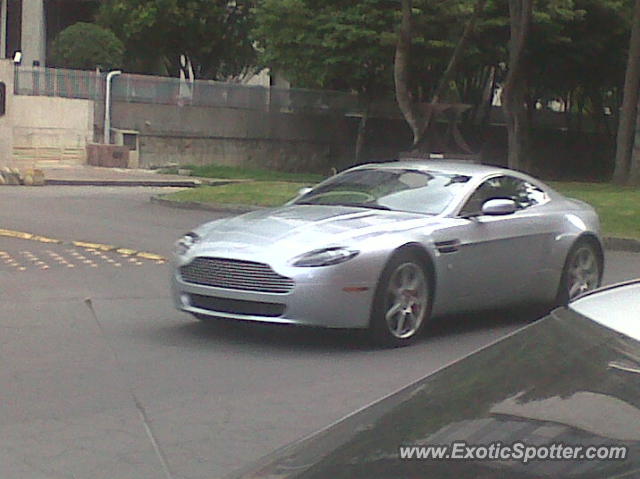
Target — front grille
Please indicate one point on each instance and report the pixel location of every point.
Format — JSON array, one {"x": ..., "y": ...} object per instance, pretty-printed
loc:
[
  {"x": 235, "y": 274},
  {"x": 236, "y": 306}
]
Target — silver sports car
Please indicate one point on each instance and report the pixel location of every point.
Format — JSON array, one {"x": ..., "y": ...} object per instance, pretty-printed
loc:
[{"x": 388, "y": 246}]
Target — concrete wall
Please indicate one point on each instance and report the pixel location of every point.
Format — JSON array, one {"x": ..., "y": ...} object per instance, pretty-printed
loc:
[
  {"x": 51, "y": 129},
  {"x": 197, "y": 135},
  {"x": 6, "y": 125},
  {"x": 41, "y": 130}
]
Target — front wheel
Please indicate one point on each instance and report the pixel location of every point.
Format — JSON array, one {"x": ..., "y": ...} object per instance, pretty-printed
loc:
[
  {"x": 402, "y": 304},
  {"x": 581, "y": 273}
]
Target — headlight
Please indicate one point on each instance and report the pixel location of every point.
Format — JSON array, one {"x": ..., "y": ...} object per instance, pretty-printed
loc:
[
  {"x": 185, "y": 243},
  {"x": 324, "y": 257}
]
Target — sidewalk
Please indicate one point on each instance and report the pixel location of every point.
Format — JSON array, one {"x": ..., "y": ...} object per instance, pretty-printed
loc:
[{"x": 83, "y": 175}]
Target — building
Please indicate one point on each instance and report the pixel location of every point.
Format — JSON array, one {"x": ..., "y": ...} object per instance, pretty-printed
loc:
[{"x": 30, "y": 26}]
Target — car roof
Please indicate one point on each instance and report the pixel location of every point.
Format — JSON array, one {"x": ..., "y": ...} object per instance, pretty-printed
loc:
[{"x": 445, "y": 166}]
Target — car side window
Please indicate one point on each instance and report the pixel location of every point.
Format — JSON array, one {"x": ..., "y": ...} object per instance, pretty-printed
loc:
[{"x": 522, "y": 192}]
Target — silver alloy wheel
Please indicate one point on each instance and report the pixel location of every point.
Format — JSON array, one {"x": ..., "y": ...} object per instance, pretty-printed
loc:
[
  {"x": 584, "y": 272},
  {"x": 407, "y": 300}
]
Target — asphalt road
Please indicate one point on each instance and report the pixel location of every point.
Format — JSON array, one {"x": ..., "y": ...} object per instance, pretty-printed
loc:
[{"x": 101, "y": 378}]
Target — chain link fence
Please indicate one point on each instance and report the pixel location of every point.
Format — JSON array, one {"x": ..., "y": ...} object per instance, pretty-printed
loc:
[
  {"x": 80, "y": 84},
  {"x": 172, "y": 91}
]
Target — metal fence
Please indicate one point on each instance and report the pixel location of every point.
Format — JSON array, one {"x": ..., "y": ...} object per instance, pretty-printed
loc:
[
  {"x": 172, "y": 91},
  {"x": 57, "y": 82}
]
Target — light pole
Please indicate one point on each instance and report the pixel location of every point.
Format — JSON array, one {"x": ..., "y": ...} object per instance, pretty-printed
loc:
[{"x": 107, "y": 106}]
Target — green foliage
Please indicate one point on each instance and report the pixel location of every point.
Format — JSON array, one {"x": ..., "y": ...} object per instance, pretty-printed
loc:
[
  {"x": 576, "y": 52},
  {"x": 328, "y": 44},
  {"x": 258, "y": 193},
  {"x": 213, "y": 34},
  {"x": 580, "y": 47},
  {"x": 351, "y": 45},
  {"x": 85, "y": 46},
  {"x": 577, "y": 49},
  {"x": 618, "y": 207}
]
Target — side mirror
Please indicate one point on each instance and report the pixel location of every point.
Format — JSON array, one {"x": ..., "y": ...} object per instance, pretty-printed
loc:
[
  {"x": 499, "y": 207},
  {"x": 304, "y": 191}
]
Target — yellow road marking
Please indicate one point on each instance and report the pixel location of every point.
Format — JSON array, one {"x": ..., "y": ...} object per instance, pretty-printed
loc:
[
  {"x": 152, "y": 256},
  {"x": 44, "y": 239},
  {"x": 15, "y": 234},
  {"x": 100, "y": 246},
  {"x": 82, "y": 244}
]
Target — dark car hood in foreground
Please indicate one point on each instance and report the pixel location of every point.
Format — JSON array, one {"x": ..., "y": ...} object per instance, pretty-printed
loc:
[{"x": 564, "y": 379}]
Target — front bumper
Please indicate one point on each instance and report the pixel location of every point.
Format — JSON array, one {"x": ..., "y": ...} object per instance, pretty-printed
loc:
[{"x": 318, "y": 298}]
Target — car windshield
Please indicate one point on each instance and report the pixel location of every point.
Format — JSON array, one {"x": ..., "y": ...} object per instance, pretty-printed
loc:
[{"x": 416, "y": 191}]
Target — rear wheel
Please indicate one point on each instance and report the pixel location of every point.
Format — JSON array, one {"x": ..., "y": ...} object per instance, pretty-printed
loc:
[
  {"x": 402, "y": 304},
  {"x": 581, "y": 273}
]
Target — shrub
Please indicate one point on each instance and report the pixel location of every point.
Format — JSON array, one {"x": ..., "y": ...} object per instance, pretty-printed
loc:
[{"x": 85, "y": 46}]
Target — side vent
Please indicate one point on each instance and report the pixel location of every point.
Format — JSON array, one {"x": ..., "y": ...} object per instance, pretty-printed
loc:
[{"x": 449, "y": 246}]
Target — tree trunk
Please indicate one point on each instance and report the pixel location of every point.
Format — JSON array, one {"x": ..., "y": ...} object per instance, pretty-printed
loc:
[
  {"x": 599, "y": 118},
  {"x": 629, "y": 112},
  {"x": 401, "y": 73},
  {"x": 456, "y": 56},
  {"x": 362, "y": 133},
  {"x": 514, "y": 92},
  {"x": 568, "y": 104},
  {"x": 634, "y": 162},
  {"x": 418, "y": 122},
  {"x": 452, "y": 67},
  {"x": 486, "y": 101}
]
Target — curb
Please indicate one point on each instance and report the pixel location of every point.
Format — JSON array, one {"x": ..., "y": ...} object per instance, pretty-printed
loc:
[
  {"x": 157, "y": 183},
  {"x": 610, "y": 242},
  {"x": 186, "y": 184},
  {"x": 622, "y": 244},
  {"x": 194, "y": 205}
]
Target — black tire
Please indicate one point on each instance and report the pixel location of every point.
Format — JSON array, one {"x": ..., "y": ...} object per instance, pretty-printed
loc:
[
  {"x": 412, "y": 304},
  {"x": 575, "y": 278}
]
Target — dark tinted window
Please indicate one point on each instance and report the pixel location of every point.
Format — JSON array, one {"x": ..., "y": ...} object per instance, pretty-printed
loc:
[{"x": 522, "y": 192}]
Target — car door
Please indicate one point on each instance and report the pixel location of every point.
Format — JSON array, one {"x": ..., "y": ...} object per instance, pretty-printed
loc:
[{"x": 491, "y": 261}]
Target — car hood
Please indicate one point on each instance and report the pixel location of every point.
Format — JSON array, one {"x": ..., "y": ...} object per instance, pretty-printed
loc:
[
  {"x": 565, "y": 379},
  {"x": 298, "y": 227}
]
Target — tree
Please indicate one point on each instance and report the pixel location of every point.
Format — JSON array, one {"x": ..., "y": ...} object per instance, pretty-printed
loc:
[
  {"x": 578, "y": 57},
  {"x": 85, "y": 46},
  {"x": 418, "y": 118},
  {"x": 327, "y": 44},
  {"x": 212, "y": 34},
  {"x": 351, "y": 45},
  {"x": 627, "y": 163},
  {"x": 330, "y": 45},
  {"x": 514, "y": 92}
]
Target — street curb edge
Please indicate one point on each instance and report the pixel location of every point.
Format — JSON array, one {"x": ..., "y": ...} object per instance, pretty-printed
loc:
[{"x": 194, "y": 205}]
